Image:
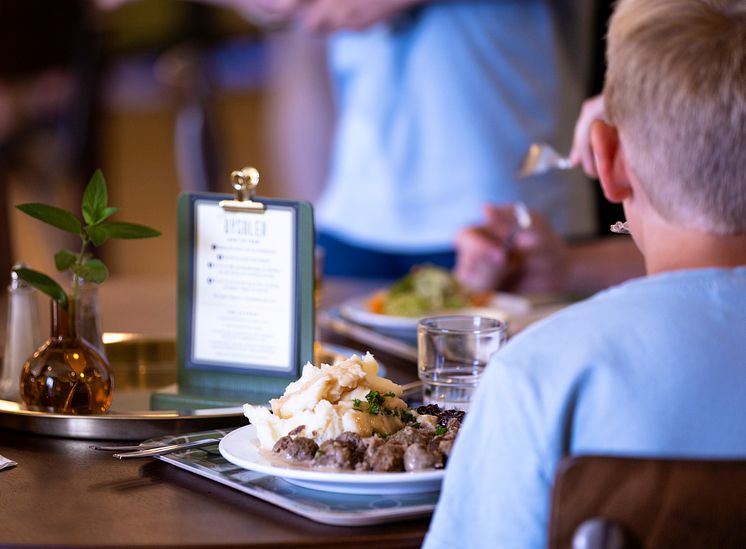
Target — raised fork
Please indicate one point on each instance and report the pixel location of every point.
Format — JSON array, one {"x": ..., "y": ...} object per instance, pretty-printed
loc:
[{"x": 542, "y": 158}]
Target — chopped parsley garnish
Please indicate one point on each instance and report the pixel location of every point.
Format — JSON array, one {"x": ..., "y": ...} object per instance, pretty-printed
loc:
[
  {"x": 407, "y": 416},
  {"x": 375, "y": 402},
  {"x": 440, "y": 431}
]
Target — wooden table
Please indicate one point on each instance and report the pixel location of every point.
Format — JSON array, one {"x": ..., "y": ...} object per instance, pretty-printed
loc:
[{"x": 63, "y": 494}]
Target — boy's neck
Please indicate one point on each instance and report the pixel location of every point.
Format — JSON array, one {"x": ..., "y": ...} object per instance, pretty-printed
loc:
[{"x": 669, "y": 248}]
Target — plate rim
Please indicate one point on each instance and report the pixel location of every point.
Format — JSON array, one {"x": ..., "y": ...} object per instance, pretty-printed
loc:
[
  {"x": 329, "y": 477},
  {"x": 354, "y": 309}
]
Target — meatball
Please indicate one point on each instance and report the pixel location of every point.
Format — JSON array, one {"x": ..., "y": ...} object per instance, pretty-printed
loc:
[
  {"x": 339, "y": 454},
  {"x": 295, "y": 449},
  {"x": 372, "y": 444},
  {"x": 408, "y": 435},
  {"x": 350, "y": 438},
  {"x": 368, "y": 448},
  {"x": 388, "y": 457},
  {"x": 418, "y": 457},
  {"x": 442, "y": 445}
]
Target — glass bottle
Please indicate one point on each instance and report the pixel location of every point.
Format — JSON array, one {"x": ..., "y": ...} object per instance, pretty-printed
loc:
[
  {"x": 22, "y": 335},
  {"x": 66, "y": 374},
  {"x": 88, "y": 317}
]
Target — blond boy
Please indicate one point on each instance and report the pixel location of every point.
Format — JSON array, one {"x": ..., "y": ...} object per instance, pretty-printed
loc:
[{"x": 656, "y": 366}]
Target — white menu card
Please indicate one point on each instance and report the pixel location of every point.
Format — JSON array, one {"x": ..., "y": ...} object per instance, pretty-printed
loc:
[{"x": 244, "y": 280}]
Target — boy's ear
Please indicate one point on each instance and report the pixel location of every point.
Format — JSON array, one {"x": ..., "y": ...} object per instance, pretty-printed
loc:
[{"x": 612, "y": 169}]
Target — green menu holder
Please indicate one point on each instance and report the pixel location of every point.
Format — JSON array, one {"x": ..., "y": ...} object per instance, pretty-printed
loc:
[{"x": 245, "y": 298}]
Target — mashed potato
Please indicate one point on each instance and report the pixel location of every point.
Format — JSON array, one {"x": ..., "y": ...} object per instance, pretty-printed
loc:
[{"x": 329, "y": 400}]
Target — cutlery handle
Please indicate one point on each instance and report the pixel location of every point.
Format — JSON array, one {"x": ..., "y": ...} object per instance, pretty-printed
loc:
[{"x": 162, "y": 450}]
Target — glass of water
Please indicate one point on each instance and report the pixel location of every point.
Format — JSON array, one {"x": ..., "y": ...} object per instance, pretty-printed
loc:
[{"x": 452, "y": 353}]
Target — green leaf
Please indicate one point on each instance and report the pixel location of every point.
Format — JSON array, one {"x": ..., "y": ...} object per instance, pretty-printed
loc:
[
  {"x": 118, "y": 229},
  {"x": 92, "y": 270},
  {"x": 42, "y": 282},
  {"x": 108, "y": 212},
  {"x": 57, "y": 217},
  {"x": 64, "y": 259},
  {"x": 95, "y": 199},
  {"x": 97, "y": 234}
]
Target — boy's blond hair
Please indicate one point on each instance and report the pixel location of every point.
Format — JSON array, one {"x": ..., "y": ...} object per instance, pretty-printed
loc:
[{"x": 676, "y": 89}]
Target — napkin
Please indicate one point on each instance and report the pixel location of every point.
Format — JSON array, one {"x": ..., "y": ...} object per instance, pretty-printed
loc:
[{"x": 6, "y": 463}]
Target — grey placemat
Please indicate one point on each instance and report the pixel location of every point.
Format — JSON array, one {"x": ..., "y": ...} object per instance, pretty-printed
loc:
[{"x": 324, "y": 507}]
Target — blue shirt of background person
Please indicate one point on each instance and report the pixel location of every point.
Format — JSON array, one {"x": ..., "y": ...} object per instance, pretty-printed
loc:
[{"x": 436, "y": 109}]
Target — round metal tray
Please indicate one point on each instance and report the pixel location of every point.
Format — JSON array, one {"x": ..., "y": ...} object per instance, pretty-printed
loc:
[{"x": 140, "y": 366}]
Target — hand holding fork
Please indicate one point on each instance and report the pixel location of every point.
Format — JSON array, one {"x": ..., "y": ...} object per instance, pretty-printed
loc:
[
  {"x": 542, "y": 157},
  {"x": 511, "y": 250}
]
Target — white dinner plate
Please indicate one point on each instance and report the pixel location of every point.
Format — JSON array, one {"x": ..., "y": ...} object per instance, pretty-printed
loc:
[
  {"x": 241, "y": 447},
  {"x": 502, "y": 306}
]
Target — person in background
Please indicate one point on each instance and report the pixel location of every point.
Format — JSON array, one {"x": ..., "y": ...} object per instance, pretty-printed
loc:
[
  {"x": 436, "y": 104},
  {"x": 495, "y": 255},
  {"x": 655, "y": 366}
]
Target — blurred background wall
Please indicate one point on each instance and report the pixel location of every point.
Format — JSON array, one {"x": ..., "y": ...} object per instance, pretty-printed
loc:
[
  {"x": 182, "y": 102},
  {"x": 165, "y": 96}
]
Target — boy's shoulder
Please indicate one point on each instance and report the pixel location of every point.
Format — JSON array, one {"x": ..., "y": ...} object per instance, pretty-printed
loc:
[
  {"x": 598, "y": 313},
  {"x": 614, "y": 319}
]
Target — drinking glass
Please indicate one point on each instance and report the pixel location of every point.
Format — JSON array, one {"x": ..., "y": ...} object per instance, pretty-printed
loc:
[{"x": 452, "y": 353}]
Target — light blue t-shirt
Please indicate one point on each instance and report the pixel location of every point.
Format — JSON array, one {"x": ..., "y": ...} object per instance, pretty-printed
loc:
[
  {"x": 654, "y": 367},
  {"x": 436, "y": 110}
]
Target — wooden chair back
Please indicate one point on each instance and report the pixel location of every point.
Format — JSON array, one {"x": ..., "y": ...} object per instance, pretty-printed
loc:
[{"x": 603, "y": 502}]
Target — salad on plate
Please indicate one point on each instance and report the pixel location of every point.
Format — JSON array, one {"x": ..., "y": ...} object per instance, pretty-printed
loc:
[{"x": 425, "y": 290}]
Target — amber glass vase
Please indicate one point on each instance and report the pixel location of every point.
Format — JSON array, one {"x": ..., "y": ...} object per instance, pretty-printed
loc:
[{"x": 66, "y": 374}]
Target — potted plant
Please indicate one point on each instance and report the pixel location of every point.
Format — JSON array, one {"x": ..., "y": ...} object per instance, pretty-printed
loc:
[{"x": 67, "y": 374}]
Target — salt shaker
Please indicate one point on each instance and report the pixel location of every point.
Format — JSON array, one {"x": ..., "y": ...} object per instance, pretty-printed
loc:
[{"x": 22, "y": 335}]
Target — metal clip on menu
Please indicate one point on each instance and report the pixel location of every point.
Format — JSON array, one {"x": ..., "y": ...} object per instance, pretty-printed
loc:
[{"x": 245, "y": 182}]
